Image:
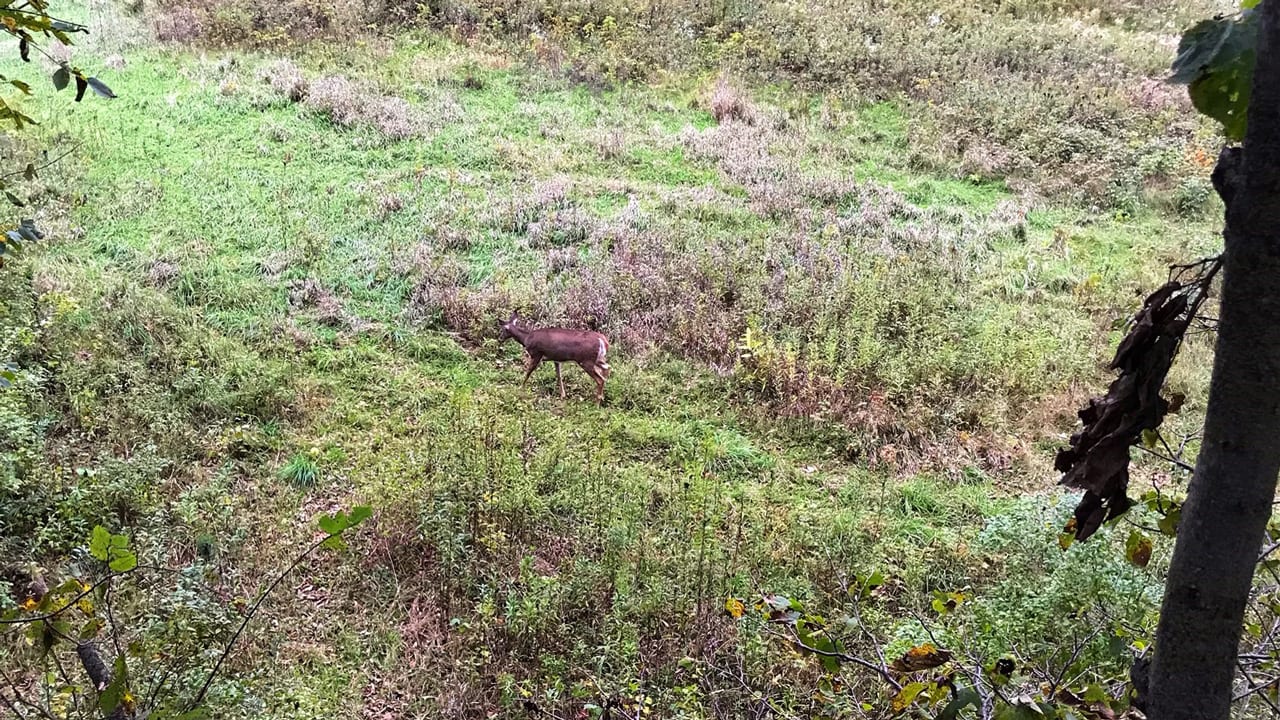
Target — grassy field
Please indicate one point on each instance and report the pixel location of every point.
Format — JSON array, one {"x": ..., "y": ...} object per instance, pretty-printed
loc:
[{"x": 828, "y": 362}]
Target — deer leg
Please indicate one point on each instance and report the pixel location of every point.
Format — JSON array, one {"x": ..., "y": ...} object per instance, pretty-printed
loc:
[
  {"x": 598, "y": 375},
  {"x": 529, "y": 366},
  {"x": 560, "y": 379}
]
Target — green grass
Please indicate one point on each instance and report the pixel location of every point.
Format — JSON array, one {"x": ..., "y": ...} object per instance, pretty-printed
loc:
[{"x": 525, "y": 544}]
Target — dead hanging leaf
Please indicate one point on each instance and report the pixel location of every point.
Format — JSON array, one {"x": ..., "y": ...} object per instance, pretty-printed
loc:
[
  {"x": 1001, "y": 670},
  {"x": 1137, "y": 549},
  {"x": 1175, "y": 402},
  {"x": 1098, "y": 459},
  {"x": 921, "y": 657},
  {"x": 735, "y": 607},
  {"x": 1068, "y": 535},
  {"x": 1090, "y": 710}
]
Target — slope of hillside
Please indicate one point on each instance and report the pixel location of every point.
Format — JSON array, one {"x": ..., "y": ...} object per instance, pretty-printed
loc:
[{"x": 271, "y": 290}]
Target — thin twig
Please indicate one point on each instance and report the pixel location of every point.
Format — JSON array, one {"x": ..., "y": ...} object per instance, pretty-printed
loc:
[
  {"x": 1255, "y": 689},
  {"x": 12, "y": 708},
  {"x": 115, "y": 632},
  {"x": 1075, "y": 655},
  {"x": 70, "y": 603},
  {"x": 843, "y": 657},
  {"x": 1185, "y": 466},
  {"x": 1268, "y": 550},
  {"x": 857, "y": 616},
  {"x": 199, "y": 698},
  {"x": 17, "y": 697},
  {"x": 22, "y": 11},
  {"x": 43, "y": 166}
]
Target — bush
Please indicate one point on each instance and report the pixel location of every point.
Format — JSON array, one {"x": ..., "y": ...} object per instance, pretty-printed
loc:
[
  {"x": 347, "y": 105},
  {"x": 286, "y": 79},
  {"x": 728, "y": 104}
]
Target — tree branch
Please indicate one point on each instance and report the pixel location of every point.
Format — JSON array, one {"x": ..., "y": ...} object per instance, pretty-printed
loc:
[
  {"x": 1171, "y": 460},
  {"x": 70, "y": 603}
]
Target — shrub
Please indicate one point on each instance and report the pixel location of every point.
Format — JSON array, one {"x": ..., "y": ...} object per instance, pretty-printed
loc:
[
  {"x": 728, "y": 104},
  {"x": 347, "y": 105},
  {"x": 286, "y": 79},
  {"x": 338, "y": 98},
  {"x": 311, "y": 294}
]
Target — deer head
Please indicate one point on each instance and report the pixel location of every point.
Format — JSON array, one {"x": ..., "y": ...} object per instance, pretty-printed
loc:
[{"x": 505, "y": 329}]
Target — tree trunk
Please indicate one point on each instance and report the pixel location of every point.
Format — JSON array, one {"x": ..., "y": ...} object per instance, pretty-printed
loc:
[{"x": 1230, "y": 496}]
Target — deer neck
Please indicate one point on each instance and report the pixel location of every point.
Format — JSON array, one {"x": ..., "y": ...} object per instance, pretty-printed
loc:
[{"x": 520, "y": 334}]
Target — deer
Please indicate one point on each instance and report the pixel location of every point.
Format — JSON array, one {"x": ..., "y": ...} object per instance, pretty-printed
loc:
[{"x": 559, "y": 345}]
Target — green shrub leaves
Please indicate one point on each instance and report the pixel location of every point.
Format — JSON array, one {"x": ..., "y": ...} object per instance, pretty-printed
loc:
[{"x": 112, "y": 549}]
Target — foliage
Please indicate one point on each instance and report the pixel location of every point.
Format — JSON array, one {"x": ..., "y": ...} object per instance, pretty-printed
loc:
[
  {"x": 29, "y": 23},
  {"x": 300, "y": 471},
  {"x": 1215, "y": 61},
  {"x": 77, "y": 614}
]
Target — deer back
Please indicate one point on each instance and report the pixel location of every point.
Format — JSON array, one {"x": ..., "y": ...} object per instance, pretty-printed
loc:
[{"x": 565, "y": 345}]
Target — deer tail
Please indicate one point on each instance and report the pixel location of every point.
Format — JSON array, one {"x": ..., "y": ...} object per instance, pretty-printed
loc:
[{"x": 602, "y": 350}]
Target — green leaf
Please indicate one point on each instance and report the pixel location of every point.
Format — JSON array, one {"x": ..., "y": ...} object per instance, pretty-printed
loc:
[
  {"x": 23, "y": 87},
  {"x": 1215, "y": 60},
  {"x": 359, "y": 514},
  {"x": 61, "y": 78},
  {"x": 1150, "y": 438},
  {"x": 1169, "y": 523},
  {"x": 123, "y": 561},
  {"x": 945, "y": 602},
  {"x": 101, "y": 88},
  {"x": 334, "y": 542},
  {"x": 99, "y": 542},
  {"x": 1095, "y": 693},
  {"x": 14, "y": 199},
  {"x": 1199, "y": 47},
  {"x": 907, "y": 695},
  {"x": 90, "y": 629},
  {"x": 112, "y": 694},
  {"x": 964, "y": 698},
  {"x": 334, "y": 524}
]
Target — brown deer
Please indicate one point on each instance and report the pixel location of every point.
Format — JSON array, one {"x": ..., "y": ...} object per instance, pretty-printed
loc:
[{"x": 559, "y": 345}]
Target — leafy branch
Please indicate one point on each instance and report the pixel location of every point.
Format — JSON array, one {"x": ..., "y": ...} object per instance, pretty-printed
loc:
[{"x": 112, "y": 680}]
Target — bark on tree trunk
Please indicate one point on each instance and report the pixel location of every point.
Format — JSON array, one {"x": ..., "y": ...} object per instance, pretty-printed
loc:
[{"x": 1230, "y": 496}]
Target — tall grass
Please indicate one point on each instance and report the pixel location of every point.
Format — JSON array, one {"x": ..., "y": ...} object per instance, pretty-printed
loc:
[{"x": 1063, "y": 99}]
